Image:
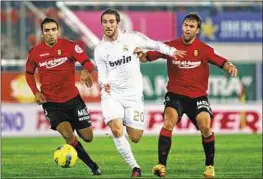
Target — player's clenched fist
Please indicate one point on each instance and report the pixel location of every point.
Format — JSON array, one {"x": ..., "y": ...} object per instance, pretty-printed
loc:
[
  {"x": 85, "y": 78},
  {"x": 40, "y": 98},
  {"x": 107, "y": 88}
]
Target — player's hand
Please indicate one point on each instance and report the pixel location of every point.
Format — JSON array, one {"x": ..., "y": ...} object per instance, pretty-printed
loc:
[
  {"x": 40, "y": 98},
  {"x": 107, "y": 88},
  {"x": 231, "y": 69},
  {"x": 179, "y": 53},
  {"x": 141, "y": 54},
  {"x": 85, "y": 78}
]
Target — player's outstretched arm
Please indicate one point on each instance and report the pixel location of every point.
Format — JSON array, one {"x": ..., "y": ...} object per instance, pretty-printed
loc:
[
  {"x": 147, "y": 43},
  {"x": 231, "y": 69}
]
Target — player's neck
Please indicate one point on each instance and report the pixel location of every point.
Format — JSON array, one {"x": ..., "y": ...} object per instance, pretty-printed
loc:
[
  {"x": 189, "y": 42},
  {"x": 113, "y": 38},
  {"x": 50, "y": 45}
]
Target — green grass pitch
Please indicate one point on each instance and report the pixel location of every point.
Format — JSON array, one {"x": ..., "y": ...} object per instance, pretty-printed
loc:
[{"x": 237, "y": 156}]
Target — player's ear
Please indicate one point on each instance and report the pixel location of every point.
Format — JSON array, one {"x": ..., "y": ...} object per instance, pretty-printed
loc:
[{"x": 198, "y": 30}]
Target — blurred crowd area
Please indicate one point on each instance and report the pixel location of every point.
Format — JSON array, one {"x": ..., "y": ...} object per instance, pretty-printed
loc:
[{"x": 20, "y": 21}]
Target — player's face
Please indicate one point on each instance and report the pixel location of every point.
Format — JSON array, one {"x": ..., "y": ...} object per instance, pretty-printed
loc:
[
  {"x": 189, "y": 30},
  {"x": 109, "y": 25},
  {"x": 50, "y": 33}
]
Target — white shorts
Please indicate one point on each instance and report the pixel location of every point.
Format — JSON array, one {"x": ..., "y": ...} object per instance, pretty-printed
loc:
[{"x": 130, "y": 111}]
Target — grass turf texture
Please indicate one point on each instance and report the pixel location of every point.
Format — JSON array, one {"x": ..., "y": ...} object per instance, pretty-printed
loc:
[{"x": 237, "y": 156}]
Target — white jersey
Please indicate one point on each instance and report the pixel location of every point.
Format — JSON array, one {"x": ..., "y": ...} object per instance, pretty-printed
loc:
[{"x": 118, "y": 65}]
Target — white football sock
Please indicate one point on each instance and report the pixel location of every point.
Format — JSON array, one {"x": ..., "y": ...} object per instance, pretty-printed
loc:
[{"x": 124, "y": 149}]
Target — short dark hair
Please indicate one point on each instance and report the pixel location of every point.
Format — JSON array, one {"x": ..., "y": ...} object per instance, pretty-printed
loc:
[
  {"x": 113, "y": 12},
  {"x": 48, "y": 20},
  {"x": 194, "y": 16}
]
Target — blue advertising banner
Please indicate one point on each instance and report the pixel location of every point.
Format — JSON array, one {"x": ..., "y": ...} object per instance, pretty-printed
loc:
[{"x": 228, "y": 27}]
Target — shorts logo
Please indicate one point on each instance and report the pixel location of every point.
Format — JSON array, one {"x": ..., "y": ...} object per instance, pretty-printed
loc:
[
  {"x": 83, "y": 114},
  {"x": 167, "y": 99},
  {"x": 203, "y": 104}
]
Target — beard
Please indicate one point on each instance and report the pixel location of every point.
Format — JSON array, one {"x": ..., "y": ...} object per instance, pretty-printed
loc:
[
  {"x": 188, "y": 39},
  {"x": 111, "y": 34}
]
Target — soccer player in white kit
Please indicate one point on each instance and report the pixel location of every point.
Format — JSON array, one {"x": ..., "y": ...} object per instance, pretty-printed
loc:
[{"x": 122, "y": 83}]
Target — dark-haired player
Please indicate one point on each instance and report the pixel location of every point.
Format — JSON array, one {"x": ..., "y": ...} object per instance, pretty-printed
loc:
[
  {"x": 187, "y": 91},
  {"x": 55, "y": 60}
]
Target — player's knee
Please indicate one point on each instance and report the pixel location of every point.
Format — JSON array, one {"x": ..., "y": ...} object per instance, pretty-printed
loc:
[
  {"x": 87, "y": 139},
  {"x": 205, "y": 129},
  {"x": 135, "y": 138},
  {"x": 169, "y": 124},
  {"x": 117, "y": 131},
  {"x": 68, "y": 136}
]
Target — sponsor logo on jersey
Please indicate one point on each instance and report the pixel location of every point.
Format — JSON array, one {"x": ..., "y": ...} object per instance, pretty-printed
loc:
[
  {"x": 186, "y": 64},
  {"x": 44, "y": 54},
  {"x": 120, "y": 61},
  {"x": 53, "y": 63}
]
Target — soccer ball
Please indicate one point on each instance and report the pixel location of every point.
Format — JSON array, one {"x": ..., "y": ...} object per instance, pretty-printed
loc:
[{"x": 65, "y": 156}]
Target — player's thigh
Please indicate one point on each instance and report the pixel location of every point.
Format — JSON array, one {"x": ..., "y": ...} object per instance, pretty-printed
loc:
[
  {"x": 173, "y": 111},
  {"x": 134, "y": 134},
  {"x": 203, "y": 120},
  {"x": 65, "y": 129},
  {"x": 134, "y": 114},
  {"x": 86, "y": 133},
  {"x": 116, "y": 126},
  {"x": 200, "y": 112},
  {"x": 81, "y": 120},
  {"x": 55, "y": 114},
  {"x": 111, "y": 109}
]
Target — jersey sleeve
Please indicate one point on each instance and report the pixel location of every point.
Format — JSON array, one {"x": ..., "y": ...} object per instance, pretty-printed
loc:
[
  {"x": 101, "y": 67},
  {"x": 80, "y": 56},
  {"x": 30, "y": 63},
  {"x": 154, "y": 55},
  {"x": 215, "y": 58},
  {"x": 147, "y": 43},
  {"x": 30, "y": 70}
]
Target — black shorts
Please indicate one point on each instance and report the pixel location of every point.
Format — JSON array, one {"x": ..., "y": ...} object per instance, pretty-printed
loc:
[
  {"x": 189, "y": 106},
  {"x": 73, "y": 111}
]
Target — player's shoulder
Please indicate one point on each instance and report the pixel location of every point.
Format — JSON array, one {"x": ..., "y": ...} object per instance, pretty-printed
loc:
[
  {"x": 132, "y": 33},
  {"x": 67, "y": 41},
  {"x": 202, "y": 44},
  {"x": 35, "y": 49},
  {"x": 100, "y": 47}
]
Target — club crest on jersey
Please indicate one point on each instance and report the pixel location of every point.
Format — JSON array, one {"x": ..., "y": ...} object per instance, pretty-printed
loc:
[
  {"x": 59, "y": 52},
  {"x": 125, "y": 48},
  {"x": 196, "y": 53}
]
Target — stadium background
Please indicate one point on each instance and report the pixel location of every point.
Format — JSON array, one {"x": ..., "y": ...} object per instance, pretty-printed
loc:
[{"x": 234, "y": 29}]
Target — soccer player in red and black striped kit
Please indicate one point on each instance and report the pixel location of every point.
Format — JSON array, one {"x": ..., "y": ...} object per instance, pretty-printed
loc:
[
  {"x": 187, "y": 86},
  {"x": 55, "y": 60}
]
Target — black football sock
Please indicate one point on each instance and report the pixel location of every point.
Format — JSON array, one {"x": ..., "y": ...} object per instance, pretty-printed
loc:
[
  {"x": 164, "y": 145},
  {"x": 209, "y": 149},
  {"x": 82, "y": 154}
]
